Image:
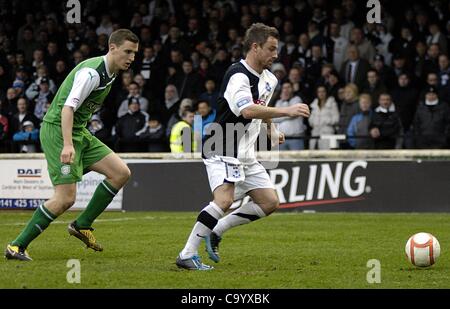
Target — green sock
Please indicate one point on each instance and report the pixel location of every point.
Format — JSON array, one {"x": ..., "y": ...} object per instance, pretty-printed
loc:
[
  {"x": 40, "y": 220},
  {"x": 103, "y": 195}
]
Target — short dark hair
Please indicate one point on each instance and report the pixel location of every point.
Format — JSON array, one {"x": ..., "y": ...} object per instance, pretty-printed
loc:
[
  {"x": 121, "y": 35},
  {"x": 202, "y": 101},
  {"x": 187, "y": 111},
  {"x": 259, "y": 33}
]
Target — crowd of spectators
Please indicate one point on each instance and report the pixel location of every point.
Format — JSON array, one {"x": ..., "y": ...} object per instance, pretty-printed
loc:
[{"x": 382, "y": 85}]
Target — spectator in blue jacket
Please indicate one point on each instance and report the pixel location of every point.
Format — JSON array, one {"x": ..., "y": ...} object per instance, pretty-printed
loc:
[
  {"x": 27, "y": 138},
  {"x": 207, "y": 113},
  {"x": 358, "y": 130}
]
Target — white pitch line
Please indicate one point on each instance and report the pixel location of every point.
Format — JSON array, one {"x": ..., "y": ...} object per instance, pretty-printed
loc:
[
  {"x": 103, "y": 220},
  {"x": 130, "y": 219}
]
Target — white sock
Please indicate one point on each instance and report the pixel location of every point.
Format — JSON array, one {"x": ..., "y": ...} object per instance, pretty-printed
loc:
[
  {"x": 245, "y": 214},
  {"x": 206, "y": 221}
]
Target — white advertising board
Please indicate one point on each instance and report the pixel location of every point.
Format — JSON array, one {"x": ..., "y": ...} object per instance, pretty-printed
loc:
[{"x": 26, "y": 184}]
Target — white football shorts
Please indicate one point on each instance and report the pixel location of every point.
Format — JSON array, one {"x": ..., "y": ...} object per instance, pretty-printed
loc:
[{"x": 246, "y": 177}]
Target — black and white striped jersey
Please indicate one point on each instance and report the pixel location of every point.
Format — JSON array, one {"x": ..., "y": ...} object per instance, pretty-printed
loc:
[{"x": 241, "y": 87}]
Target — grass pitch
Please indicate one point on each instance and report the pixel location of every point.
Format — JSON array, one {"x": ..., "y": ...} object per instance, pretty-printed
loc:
[{"x": 285, "y": 250}]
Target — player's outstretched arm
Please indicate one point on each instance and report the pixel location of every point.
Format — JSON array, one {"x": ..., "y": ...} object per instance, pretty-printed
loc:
[{"x": 255, "y": 111}]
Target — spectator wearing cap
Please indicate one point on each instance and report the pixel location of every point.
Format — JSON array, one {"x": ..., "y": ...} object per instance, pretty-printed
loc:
[
  {"x": 354, "y": 70},
  {"x": 22, "y": 115},
  {"x": 129, "y": 127},
  {"x": 28, "y": 138},
  {"x": 153, "y": 137},
  {"x": 293, "y": 127},
  {"x": 33, "y": 90},
  {"x": 98, "y": 129},
  {"x": 44, "y": 96},
  {"x": 374, "y": 86},
  {"x": 133, "y": 94},
  {"x": 340, "y": 44},
  {"x": 323, "y": 119},
  {"x": 432, "y": 121},
  {"x": 385, "y": 126},
  {"x": 432, "y": 79},
  {"x": 20, "y": 80},
  {"x": 19, "y": 87}
]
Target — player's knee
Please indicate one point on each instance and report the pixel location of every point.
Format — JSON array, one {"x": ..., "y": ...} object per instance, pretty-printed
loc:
[
  {"x": 67, "y": 201},
  {"x": 224, "y": 202},
  {"x": 124, "y": 175},
  {"x": 272, "y": 204}
]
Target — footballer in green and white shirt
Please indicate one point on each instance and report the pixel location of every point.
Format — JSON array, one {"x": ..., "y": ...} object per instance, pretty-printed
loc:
[{"x": 71, "y": 150}]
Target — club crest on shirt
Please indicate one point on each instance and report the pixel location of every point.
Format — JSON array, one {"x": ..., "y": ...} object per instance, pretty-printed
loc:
[{"x": 92, "y": 106}]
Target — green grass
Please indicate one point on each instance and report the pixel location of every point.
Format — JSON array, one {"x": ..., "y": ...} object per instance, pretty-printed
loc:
[{"x": 286, "y": 250}]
